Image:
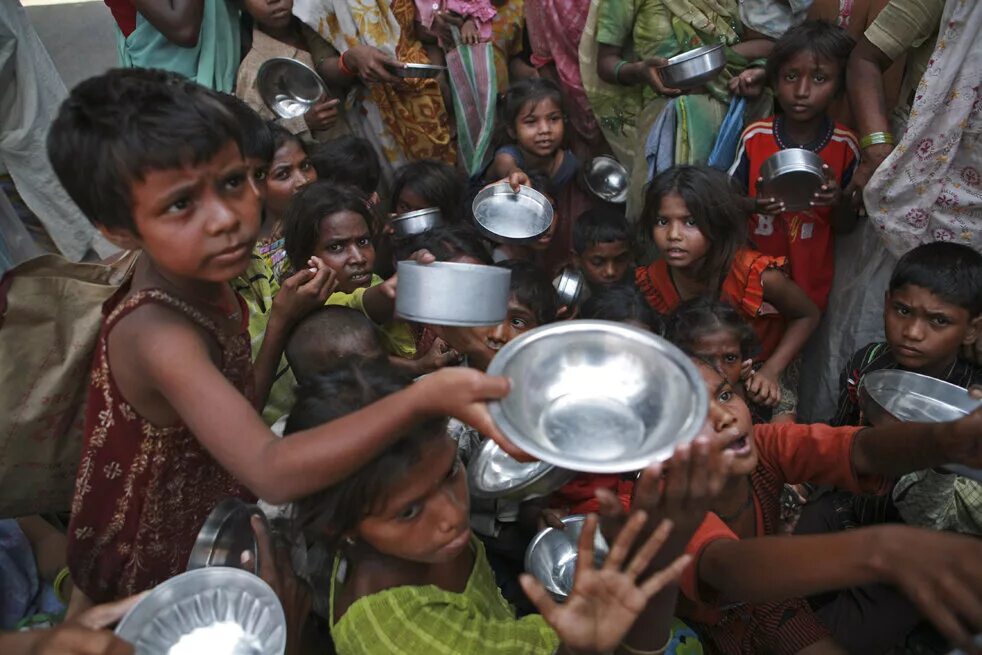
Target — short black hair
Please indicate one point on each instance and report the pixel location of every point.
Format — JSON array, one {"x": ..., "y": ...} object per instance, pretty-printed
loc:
[
  {"x": 282, "y": 136},
  {"x": 531, "y": 287},
  {"x": 599, "y": 225},
  {"x": 116, "y": 127},
  {"x": 951, "y": 271},
  {"x": 348, "y": 160},
  {"x": 435, "y": 181},
  {"x": 697, "y": 317},
  {"x": 257, "y": 140},
  {"x": 328, "y": 335},
  {"x": 352, "y": 385},
  {"x": 313, "y": 203},
  {"x": 819, "y": 37},
  {"x": 449, "y": 242},
  {"x": 622, "y": 302}
]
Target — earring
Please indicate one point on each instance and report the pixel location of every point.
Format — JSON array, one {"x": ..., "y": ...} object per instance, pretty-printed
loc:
[{"x": 349, "y": 541}]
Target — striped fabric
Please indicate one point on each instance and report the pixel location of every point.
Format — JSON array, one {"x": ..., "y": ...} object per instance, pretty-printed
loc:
[{"x": 474, "y": 83}]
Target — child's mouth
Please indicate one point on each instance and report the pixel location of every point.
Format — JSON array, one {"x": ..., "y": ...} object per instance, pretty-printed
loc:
[{"x": 740, "y": 446}]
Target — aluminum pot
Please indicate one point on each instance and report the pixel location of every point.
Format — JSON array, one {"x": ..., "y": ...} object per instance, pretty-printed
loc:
[
  {"x": 792, "y": 176},
  {"x": 225, "y": 535},
  {"x": 416, "y": 222},
  {"x": 492, "y": 473},
  {"x": 693, "y": 68},
  {"x": 448, "y": 293},
  {"x": 607, "y": 179},
  {"x": 552, "y": 555},
  {"x": 505, "y": 216},
  {"x": 288, "y": 87},
  {"x": 571, "y": 287},
  {"x": 416, "y": 70}
]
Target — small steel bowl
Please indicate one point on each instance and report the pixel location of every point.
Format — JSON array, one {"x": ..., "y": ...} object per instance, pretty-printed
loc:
[
  {"x": 508, "y": 217},
  {"x": 597, "y": 396},
  {"x": 214, "y": 610},
  {"x": 448, "y": 293},
  {"x": 792, "y": 176},
  {"x": 693, "y": 68},
  {"x": 607, "y": 179},
  {"x": 416, "y": 222},
  {"x": 492, "y": 473},
  {"x": 225, "y": 535},
  {"x": 416, "y": 70},
  {"x": 571, "y": 287},
  {"x": 551, "y": 555},
  {"x": 288, "y": 87}
]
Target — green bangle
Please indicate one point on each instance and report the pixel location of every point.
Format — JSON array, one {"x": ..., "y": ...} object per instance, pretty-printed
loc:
[
  {"x": 59, "y": 580},
  {"x": 875, "y": 139},
  {"x": 617, "y": 70}
]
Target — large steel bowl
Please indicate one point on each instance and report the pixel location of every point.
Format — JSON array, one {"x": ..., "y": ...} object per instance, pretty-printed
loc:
[
  {"x": 448, "y": 293},
  {"x": 288, "y": 87},
  {"x": 551, "y": 555},
  {"x": 226, "y": 534},
  {"x": 492, "y": 473},
  {"x": 508, "y": 217},
  {"x": 598, "y": 396},
  {"x": 607, "y": 179},
  {"x": 792, "y": 176},
  {"x": 693, "y": 68},
  {"x": 416, "y": 222}
]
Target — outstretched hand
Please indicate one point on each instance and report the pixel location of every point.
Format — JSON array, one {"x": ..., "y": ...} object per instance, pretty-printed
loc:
[
  {"x": 604, "y": 603},
  {"x": 305, "y": 290}
]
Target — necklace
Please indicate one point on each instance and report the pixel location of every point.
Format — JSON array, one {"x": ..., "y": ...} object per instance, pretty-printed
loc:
[{"x": 743, "y": 508}]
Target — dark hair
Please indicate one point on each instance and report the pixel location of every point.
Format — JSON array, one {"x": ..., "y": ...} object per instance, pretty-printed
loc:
[
  {"x": 695, "y": 318},
  {"x": 436, "y": 182},
  {"x": 821, "y": 38},
  {"x": 257, "y": 140},
  {"x": 531, "y": 287},
  {"x": 282, "y": 136},
  {"x": 353, "y": 385},
  {"x": 448, "y": 242},
  {"x": 714, "y": 204},
  {"x": 519, "y": 94},
  {"x": 951, "y": 271},
  {"x": 327, "y": 335},
  {"x": 312, "y": 204},
  {"x": 114, "y": 128},
  {"x": 620, "y": 303},
  {"x": 599, "y": 225},
  {"x": 348, "y": 160}
]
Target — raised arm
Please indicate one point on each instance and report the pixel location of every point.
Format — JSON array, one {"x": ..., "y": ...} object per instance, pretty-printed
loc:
[{"x": 178, "y": 20}]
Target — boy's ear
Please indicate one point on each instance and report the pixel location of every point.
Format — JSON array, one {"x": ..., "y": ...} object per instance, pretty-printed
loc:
[
  {"x": 972, "y": 333},
  {"x": 121, "y": 237}
]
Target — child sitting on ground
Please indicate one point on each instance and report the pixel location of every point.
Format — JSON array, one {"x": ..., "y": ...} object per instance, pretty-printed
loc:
[
  {"x": 171, "y": 426},
  {"x": 807, "y": 70},
  {"x": 602, "y": 247},
  {"x": 348, "y": 161},
  {"x": 624, "y": 304}
]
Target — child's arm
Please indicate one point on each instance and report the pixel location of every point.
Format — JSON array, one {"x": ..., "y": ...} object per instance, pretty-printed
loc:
[
  {"x": 754, "y": 48},
  {"x": 178, "y": 20},
  {"x": 503, "y": 166}
]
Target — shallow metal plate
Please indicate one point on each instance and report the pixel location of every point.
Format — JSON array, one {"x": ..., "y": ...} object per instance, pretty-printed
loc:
[
  {"x": 288, "y": 87},
  {"x": 508, "y": 217}
]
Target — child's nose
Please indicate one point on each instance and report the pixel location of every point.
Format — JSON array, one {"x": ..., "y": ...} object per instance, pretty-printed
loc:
[
  {"x": 355, "y": 255},
  {"x": 914, "y": 330},
  {"x": 802, "y": 88},
  {"x": 453, "y": 510},
  {"x": 221, "y": 218}
]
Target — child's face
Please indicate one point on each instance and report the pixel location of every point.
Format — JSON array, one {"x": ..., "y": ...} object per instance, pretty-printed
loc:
[
  {"x": 345, "y": 245},
  {"x": 410, "y": 201},
  {"x": 605, "y": 264},
  {"x": 543, "y": 242},
  {"x": 539, "y": 128},
  {"x": 270, "y": 14},
  {"x": 481, "y": 344},
  {"x": 427, "y": 516},
  {"x": 729, "y": 420},
  {"x": 806, "y": 85},
  {"x": 290, "y": 171},
  {"x": 676, "y": 235},
  {"x": 196, "y": 222},
  {"x": 924, "y": 331},
  {"x": 721, "y": 348}
]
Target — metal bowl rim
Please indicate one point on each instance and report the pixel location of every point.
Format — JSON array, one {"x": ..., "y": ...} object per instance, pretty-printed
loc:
[
  {"x": 416, "y": 213},
  {"x": 501, "y": 189},
  {"x": 203, "y": 549},
  {"x": 689, "y": 55},
  {"x": 498, "y": 271},
  {"x": 887, "y": 374},
  {"x": 274, "y": 62}
]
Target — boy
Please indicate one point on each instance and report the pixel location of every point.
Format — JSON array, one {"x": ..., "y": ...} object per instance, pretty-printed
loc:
[
  {"x": 602, "y": 247},
  {"x": 327, "y": 335},
  {"x": 806, "y": 69},
  {"x": 349, "y": 160}
]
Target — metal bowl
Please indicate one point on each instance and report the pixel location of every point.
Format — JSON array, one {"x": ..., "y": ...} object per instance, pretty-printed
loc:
[
  {"x": 508, "y": 217},
  {"x": 416, "y": 222},
  {"x": 551, "y": 555},
  {"x": 792, "y": 176},
  {"x": 415, "y": 70},
  {"x": 492, "y": 473},
  {"x": 225, "y": 535},
  {"x": 693, "y": 68},
  {"x": 571, "y": 287},
  {"x": 288, "y": 87},
  {"x": 448, "y": 293},
  {"x": 597, "y": 396},
  {"x": 215, "y": 610},
  {"x": 607, "y": 179}
]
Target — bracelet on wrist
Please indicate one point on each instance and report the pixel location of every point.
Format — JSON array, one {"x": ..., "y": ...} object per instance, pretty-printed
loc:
[
  {"x": 875, "y": 139},
  {"x": 57, "y": 584},
  {"x": 660, "y": 651},
  {"x": 347, "y": 72},
  {"x": 617, "y": 70}
]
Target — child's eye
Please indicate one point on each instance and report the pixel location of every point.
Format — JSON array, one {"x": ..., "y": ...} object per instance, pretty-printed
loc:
[
  {"x": 235, "y": 181},
  {"x": 790, "y": 76},
  {"x": 661, "y": 222},
  {"x": 305, "y": 165},
  {"x": 363, "y": 243},
  {"x": 730, "y": 359},
  {"x": 903, "y": 310},
  {"x": 819, "y": 78},
  {"x": 259, "y": 175},
  {"x": 334, "y": 247},
  {"x": 519, "y": 323},
  {"x": 179, "y": 206},
  {"x": 724, "y": 397},
  {"x": 411, "y": 512},
  {"x": 690, "y": 222},
  {"x": 940, "y": 321}
]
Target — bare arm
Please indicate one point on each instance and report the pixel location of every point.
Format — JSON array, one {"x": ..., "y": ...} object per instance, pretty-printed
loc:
[
  {"x": 754, "y": 48},
  {"x": 178, "y": 20},
  {"x": 609, "y": 57},
  {"x": 868, "y": 100},
  {"x": 799, "y": 311},
  {"x": 502, "y": 167}
]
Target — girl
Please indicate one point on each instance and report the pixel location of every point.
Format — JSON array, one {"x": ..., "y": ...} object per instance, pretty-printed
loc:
[
  {"x": 408, "y": 573},
  {"x": 692, "y": 215},
  {"x": 428, "y": 183}
]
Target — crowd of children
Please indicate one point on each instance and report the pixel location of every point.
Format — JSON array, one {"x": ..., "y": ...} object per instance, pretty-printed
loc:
[{"x": 254, "y": 352}]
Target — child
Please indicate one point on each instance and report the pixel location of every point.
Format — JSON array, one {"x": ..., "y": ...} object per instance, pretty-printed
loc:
[
  {"x": 349, "y": 160},
  {"x": 408, "y": 573},
  {"x": 276, "y": 32},
  {"x": 602, "y": 247},
  {"x": 326, "y": 336},
  {"x": 428, "y": 183},
  {"x": 807, "y": 70},
  {"x": 624, "y": 304},
  {"x": 165, "y": 175},
  {"x": 692, "y": 216}
]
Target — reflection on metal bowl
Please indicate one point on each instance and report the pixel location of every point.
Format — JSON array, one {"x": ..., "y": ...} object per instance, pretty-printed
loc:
[
  {"x": 288, "y": 87},
  {"x": 552, "y": 555}
]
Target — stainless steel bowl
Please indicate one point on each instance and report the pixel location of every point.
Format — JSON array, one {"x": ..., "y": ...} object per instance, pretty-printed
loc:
[
  {"x": 215, "y": 610},
  {"x": 416, "y": 70},
  {"x": 288, "y": 87},
  {"x": 597, "y": 396},
  {"x": 448, "y": 293},
  {"x": 571, "y": 287},
  {"x": 416, "y": 222},
  {"x": 508, "y": 217},
  {"x": 492, "y": 473},
  {"x": 607, "y": 179},
  {"x": 551, "y": 555},
  {"x": 792, "y": 176},
  {"x": 225, "y": 535},
  {"x": 693, "y": 68}
]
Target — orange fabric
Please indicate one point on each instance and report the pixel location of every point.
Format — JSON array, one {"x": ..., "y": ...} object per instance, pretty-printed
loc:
[{"x": 579, "y": 494}]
